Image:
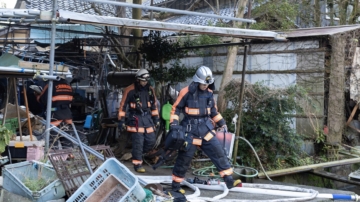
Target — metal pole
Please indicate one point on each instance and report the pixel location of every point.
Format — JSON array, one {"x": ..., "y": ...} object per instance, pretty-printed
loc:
[
  {"x": 183, "y": 12},
  {"x": 50, "y": 85},
  {"x": 82, "y": 148},
  {"x": 73, "y": 140},
  {"x": 241, "y": 97}
]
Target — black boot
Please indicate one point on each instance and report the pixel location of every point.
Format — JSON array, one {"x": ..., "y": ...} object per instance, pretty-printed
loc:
[
  {"x": 230, "y": 183},
  {"x": 175, "y": 186}
]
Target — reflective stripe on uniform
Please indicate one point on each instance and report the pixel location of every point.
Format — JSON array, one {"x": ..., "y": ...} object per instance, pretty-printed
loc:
[
  {"x": 56, "y": 123},
  {"x": 154, "y": 112},
  {"x": 192, "y": 111},
  {"x": 217, "y": 118},
  {"x": 174, "y": 117},
  {"x": 62, "y": 98},
  {"x": 136, "y": 162},
  {"x": 226, "y": 172},
  {"x": 177, "y": 179},
  {"x": 139, "y": 129},
  {"x": 132, "y": 105}
]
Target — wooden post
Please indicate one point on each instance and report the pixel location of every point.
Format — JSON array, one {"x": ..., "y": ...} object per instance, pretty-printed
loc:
[
  {"x": 17, "y": 109},
  {"x": 27, "y": 111},
  {"x": 8, "y": 88}
]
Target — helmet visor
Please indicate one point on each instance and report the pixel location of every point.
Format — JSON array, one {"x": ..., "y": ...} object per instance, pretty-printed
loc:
[
  {"x": 144, "y": 77},
  {"x": 209, "y": 80}
]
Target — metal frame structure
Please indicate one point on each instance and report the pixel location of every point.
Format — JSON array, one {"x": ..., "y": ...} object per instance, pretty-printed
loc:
[{"x": 36, "y": 16}]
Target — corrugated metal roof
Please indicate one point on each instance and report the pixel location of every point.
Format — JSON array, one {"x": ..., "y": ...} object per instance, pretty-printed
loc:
[
  {"x": 197, "y": 20},
  {"x": 148, "y": 2},
  {"x": 75, "y": 6},
  {"x": 320, "y": 31}
]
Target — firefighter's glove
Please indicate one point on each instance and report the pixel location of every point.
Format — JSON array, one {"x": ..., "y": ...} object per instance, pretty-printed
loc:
[
  {"x": 156, "y": 122},
  {"x": 121, "y": 125}
]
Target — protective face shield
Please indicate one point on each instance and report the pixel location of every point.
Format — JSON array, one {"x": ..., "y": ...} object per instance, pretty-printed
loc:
[
  {"x": 203, "y": 75},
  {"x": 142, "y": 75}
]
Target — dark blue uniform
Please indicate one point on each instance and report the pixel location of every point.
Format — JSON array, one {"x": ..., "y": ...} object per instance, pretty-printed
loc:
[
  {"x": 201, "y": 115},
  {"x": 142, "y": 110}
]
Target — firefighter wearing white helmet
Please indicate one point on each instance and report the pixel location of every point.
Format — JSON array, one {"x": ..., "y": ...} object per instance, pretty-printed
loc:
[
  {"x": 139, "y": 102},
  {"x": 197, "y": 103}
]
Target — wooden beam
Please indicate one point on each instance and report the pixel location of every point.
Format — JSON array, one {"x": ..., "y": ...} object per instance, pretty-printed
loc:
[
  {"x": 41, "y": 66},
  {"x": 333, "y": 176}
]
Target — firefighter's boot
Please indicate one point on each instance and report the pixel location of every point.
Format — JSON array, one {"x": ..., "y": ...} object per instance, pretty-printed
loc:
[
  {"x": 230, "y": 182},
  {"x": 175, "y": 186},
  {"x": 139, "y": 169}
]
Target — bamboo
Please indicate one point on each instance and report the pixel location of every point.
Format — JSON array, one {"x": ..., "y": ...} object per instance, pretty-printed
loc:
[{"x": 27, "y": 111}]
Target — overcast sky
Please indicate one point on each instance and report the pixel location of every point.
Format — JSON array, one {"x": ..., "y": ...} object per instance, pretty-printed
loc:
[{"x": 9, "y": 3}]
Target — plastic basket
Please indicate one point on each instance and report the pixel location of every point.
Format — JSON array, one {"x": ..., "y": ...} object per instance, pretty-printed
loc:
[
  {"x": 14, "y": 176},
  {"x": 111, "y": 190},
  {"x": 110, "y": 167}
]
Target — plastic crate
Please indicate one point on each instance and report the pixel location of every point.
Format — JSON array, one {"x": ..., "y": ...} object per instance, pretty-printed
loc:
[
  {"x": 111, "y": 190},
  {"x": 14, "y": 176},
  {"x": 110, "y": 167},
  {"x": 34, "y": 153}
]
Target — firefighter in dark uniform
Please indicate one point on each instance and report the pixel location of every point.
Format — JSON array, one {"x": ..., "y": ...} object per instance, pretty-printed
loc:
[
  {"x": 142, "y": 117},
  {"x": 197, "y": 103},
  {"x": 61, "y": 115}
]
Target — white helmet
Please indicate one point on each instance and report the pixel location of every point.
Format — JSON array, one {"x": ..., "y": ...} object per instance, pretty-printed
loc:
[
  {"x": 203, "y": 75},
  {"x": 142, "y": 74}
]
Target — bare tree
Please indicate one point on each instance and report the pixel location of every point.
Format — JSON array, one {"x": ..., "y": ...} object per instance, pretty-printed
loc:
[{"x": 231, "y": 58}]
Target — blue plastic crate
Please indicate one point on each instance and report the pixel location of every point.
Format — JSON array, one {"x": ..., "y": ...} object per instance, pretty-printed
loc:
[
  {"x": 111, "y": 166},
  {"x": 14, "y": 176}
]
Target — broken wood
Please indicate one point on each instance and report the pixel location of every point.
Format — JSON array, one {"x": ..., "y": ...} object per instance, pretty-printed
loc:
[
  {"x": 27, "y": 111},
  {"x": 17, "y": 108},
  {"x": 352, "y": 114}
]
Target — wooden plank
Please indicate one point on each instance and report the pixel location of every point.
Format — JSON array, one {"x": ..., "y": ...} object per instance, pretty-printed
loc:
[
  {"x": 41, "y": 66},
  {"x": 334, "y": 176}
]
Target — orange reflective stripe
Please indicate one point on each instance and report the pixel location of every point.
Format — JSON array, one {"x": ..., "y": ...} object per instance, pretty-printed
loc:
[
  {"x": 174, "y": 117},
  {"x": 132, "y": 105},
  {"x": 177, "y": 179},
  {"x": 192, "y": 111},
  {"x": 226, "y": 172},
  {"x": 154, "y": 112},
  {"x": 68, "y": 121},
  {"x": 136, "y": 162},
  {"x": 122, "y": 106},
  {"x": 217, "y": 118},
  {"x": 62, "y": 98},
  {"x": 132, "y": 129},
  {"x": 122, "y": 113},
  {"x": 56, "y": 123},
  {"x": 149, "y": 130}
]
